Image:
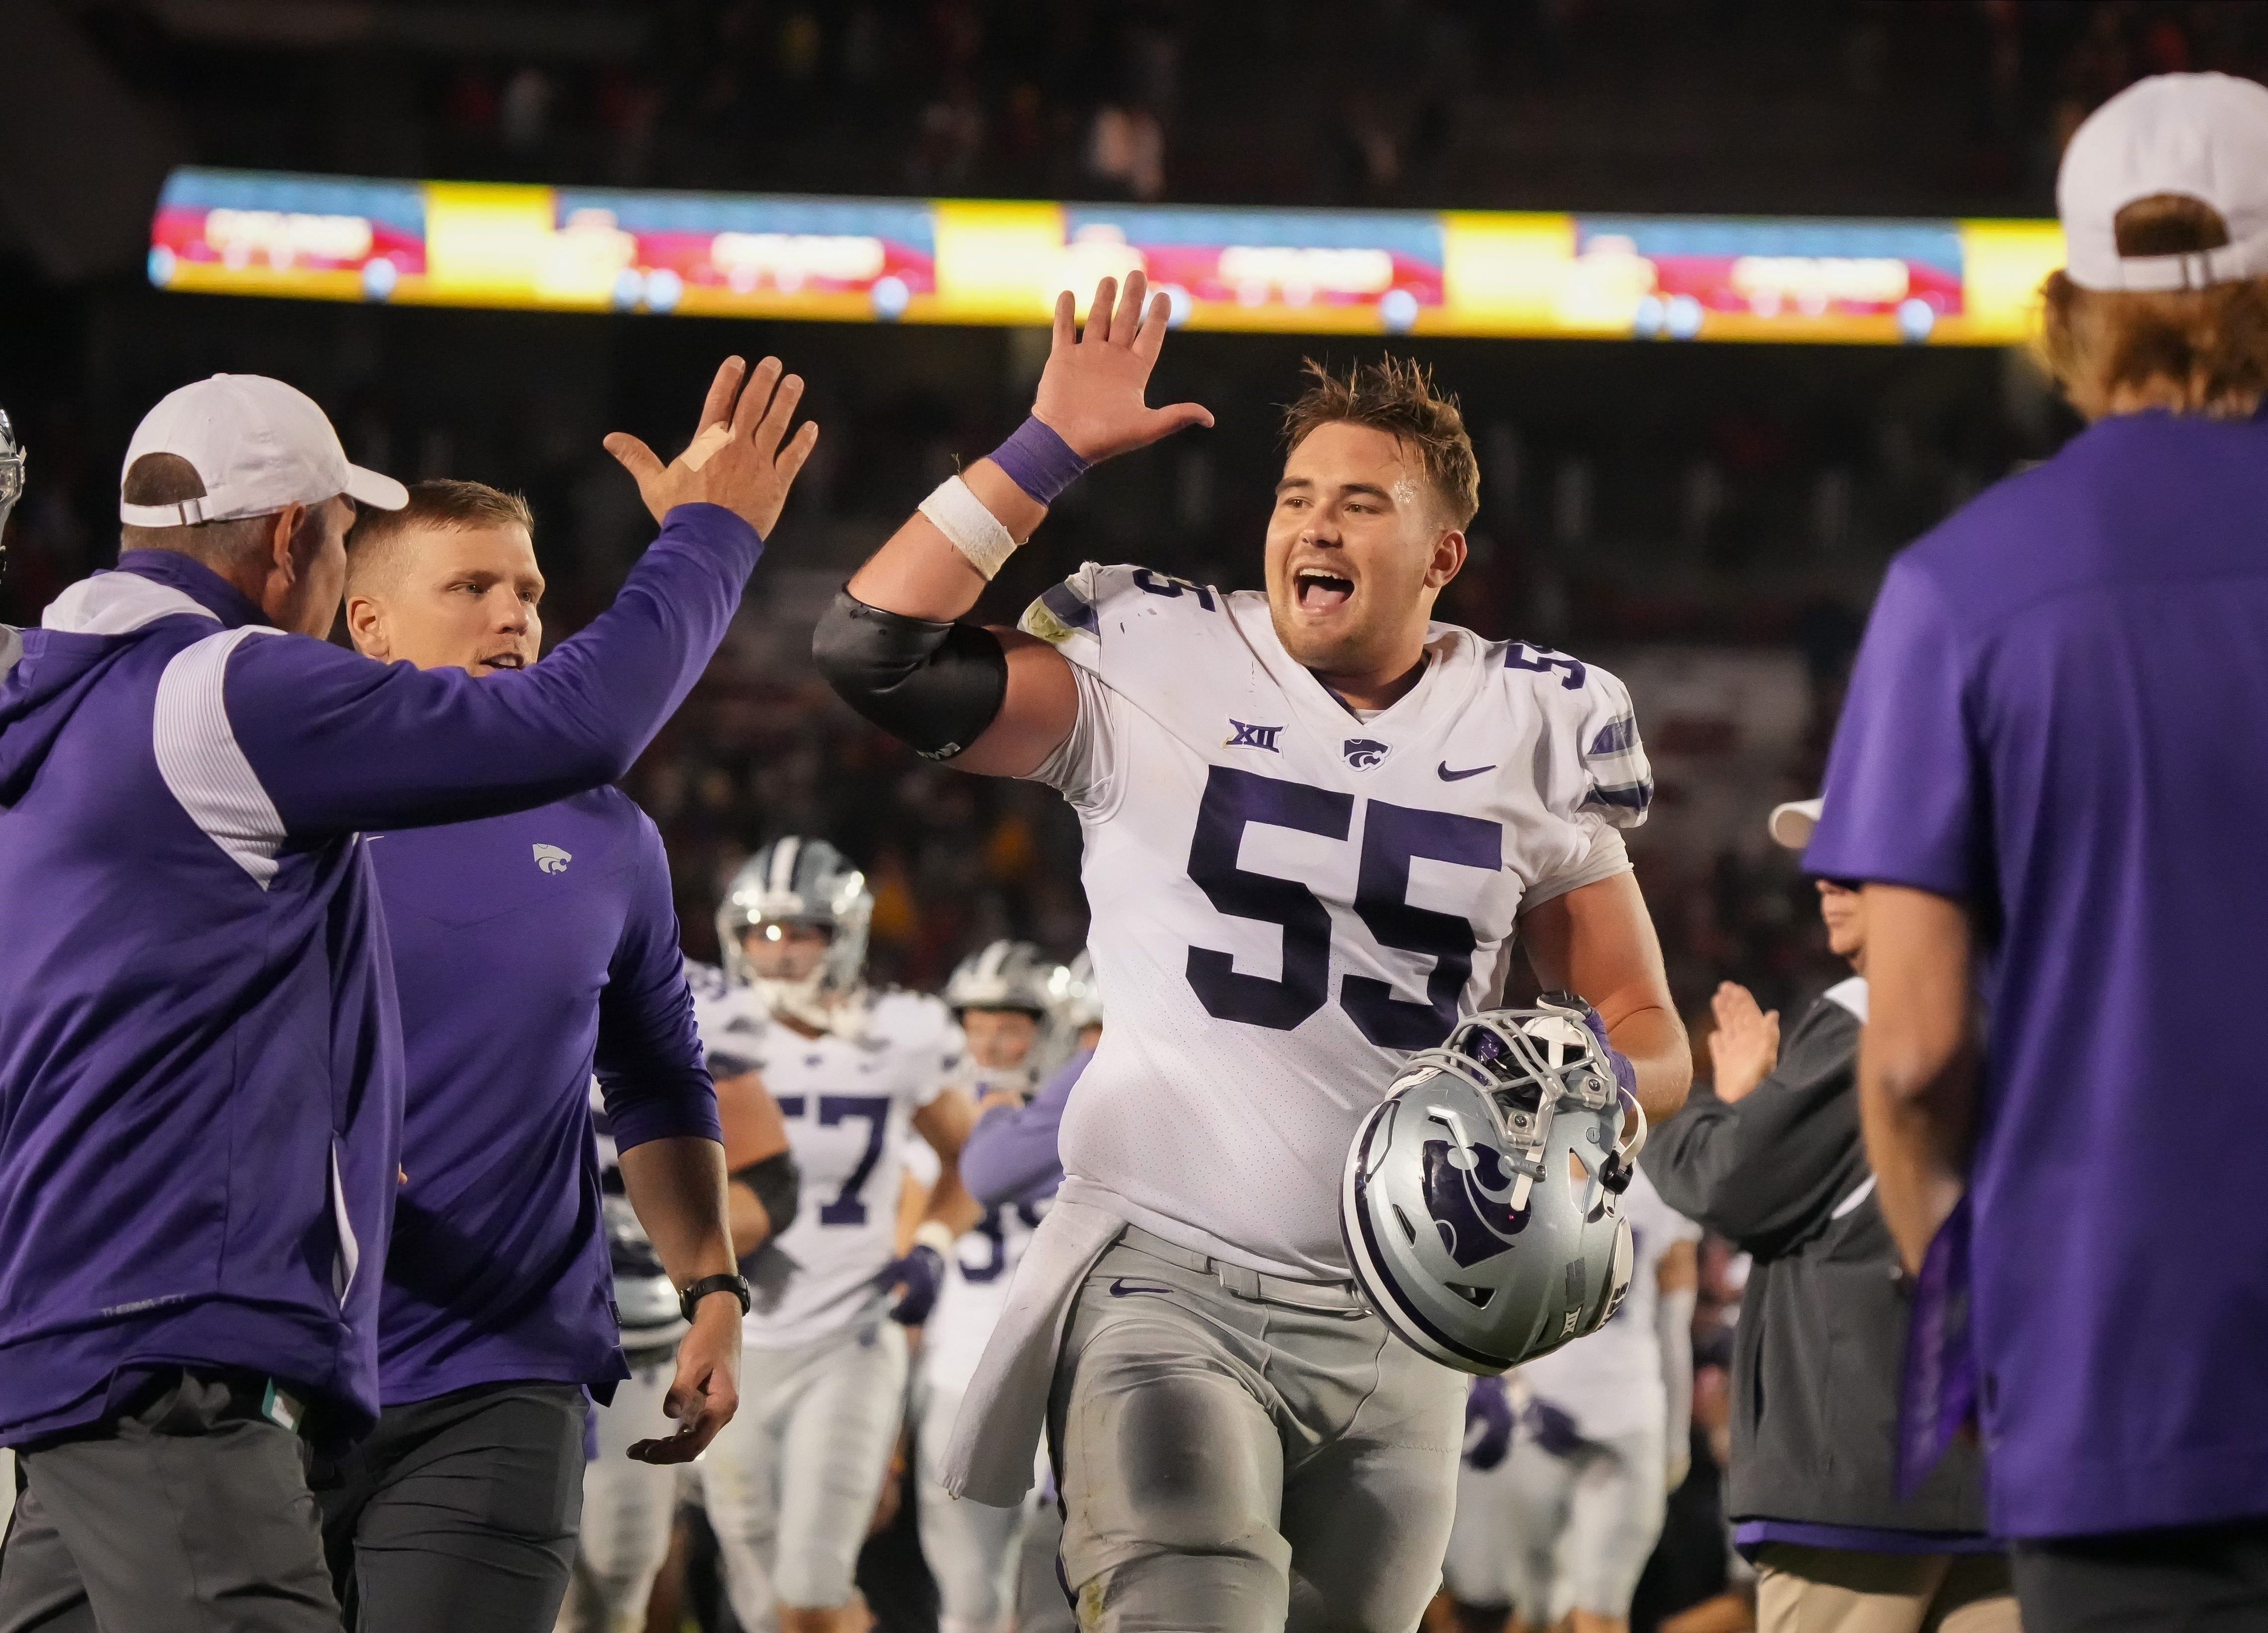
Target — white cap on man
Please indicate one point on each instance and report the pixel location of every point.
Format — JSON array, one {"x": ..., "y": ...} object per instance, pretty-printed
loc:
[
  {"x": 2201, "y": 136},
  {"x": 258, "y": 445},
  {"x": 1792, "y": 823}
]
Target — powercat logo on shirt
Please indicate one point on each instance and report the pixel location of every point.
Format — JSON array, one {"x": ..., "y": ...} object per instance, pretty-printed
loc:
[{"x": 552, "y": 859}]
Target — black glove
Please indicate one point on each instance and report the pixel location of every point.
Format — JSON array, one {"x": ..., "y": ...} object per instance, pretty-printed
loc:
[{"x": 920, "y": 1276}]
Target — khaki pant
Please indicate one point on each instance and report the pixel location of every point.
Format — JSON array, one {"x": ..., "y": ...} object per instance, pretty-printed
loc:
[{"x": 1833, "y": 1589}]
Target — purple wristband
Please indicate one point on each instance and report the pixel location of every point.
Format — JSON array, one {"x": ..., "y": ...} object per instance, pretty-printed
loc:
[{"x": 1039, "y": 462}]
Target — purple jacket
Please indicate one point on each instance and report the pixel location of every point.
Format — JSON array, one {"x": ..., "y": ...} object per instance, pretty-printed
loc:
[
  {"x": 201, "y": 1072},
  {"x": 1009, "y": 1155},
  {"x": 529, "y": 950}
]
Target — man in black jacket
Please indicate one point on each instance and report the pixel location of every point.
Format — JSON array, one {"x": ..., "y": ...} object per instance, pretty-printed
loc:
[{"x": 1774, "y": 1160}]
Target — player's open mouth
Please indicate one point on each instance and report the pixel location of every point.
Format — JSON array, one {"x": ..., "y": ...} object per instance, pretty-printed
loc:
[
  {"x": 1315, "y": 591},
  {"x": 505, "y": 660}
]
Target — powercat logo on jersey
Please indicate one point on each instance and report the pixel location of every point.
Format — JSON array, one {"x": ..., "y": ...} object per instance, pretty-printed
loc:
[
  {"x": 552, "y": 859},
  {"x": 1362, "y": 753},
  {"x": 1254, "y": 736}
]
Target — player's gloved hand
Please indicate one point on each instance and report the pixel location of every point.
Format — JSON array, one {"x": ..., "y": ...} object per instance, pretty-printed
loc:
[
  {"x": 1625, "y": 1072},
  {"x": 735, "y": 459},
  {"x": 919, "y": 1277},
  {"x": 1091, "y": 391},
  {"x": 1552, "y": 1428},
  {"x": 1488, "y": 1422}
]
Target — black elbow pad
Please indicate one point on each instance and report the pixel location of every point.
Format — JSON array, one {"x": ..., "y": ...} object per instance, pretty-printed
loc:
[
  {"x": 934, "y": 686},
  {"x": 779, "y": 1185}
]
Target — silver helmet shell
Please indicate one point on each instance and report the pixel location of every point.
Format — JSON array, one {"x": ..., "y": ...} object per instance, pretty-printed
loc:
[
  {"x": 807, "y": 882},
  {"x": 1076, "y": 997},
  {"x": 1004, "y": 975},
  {"x": 11, "y": 476},
  {"x": 1481, "y": 1202}
]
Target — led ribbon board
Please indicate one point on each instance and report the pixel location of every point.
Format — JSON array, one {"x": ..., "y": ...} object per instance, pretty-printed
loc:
[{"x": 950, "y": 261}]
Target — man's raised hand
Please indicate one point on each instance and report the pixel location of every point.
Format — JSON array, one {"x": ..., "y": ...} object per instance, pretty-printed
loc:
[
  {"x": 1091, "y": 391},
  {"x": 735, "y": 459}
]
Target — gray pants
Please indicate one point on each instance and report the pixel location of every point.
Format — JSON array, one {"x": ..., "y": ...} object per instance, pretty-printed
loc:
[
  {"x": 188, "y": 1513},
  {"x": 1233, "y": 1462},
  {"x": 458, "y": 1513}
]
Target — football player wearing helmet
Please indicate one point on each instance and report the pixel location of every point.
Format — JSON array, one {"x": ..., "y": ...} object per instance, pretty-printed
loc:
[
  {"x": 1315, "y": 821},
  {"x": 852, "y": 1069},
  {"x": 629, "y": 1505},
  {"x": 1003, "y": 996}
]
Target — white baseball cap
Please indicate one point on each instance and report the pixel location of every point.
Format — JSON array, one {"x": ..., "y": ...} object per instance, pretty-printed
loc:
[
  {"x": 258, "y": 445},
  {"x": 1792, "y": 823},
  {"x": 2202, "y": 135}
]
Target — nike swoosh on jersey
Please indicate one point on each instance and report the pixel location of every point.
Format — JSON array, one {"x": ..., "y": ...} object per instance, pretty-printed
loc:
[
  {"x": 1448, "y": 775},
  {"x": 1120, "y": 1287}
]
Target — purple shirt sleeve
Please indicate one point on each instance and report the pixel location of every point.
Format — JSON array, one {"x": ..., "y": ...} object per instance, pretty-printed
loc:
[
  {"x": 1011, "y": 1150},
  {"x": 649, "y": 1055},
  {"x": 1904, "y": 800},
  {"x": 338, "y": 742}
]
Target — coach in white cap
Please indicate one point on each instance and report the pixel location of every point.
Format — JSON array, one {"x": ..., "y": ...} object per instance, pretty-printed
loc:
[
  {"x": 2051, "y": 773},
  {"x": 200, "y": 1073}
]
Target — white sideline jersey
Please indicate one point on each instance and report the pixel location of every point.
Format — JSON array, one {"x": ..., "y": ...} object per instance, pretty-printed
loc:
[
  {"x": 1611, "y": 1382},
  {"x": 847, "y": 1098},
  {"x": 1288, "y": 901}
]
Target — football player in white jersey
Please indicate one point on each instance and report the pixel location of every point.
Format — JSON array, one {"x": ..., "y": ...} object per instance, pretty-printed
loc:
[
  {"x": 629, "y": 1507},
  {"x": 851, "y": 1070},
  {"x": 1001, "y": 995},
  {"x": 1565, "y": 1524},
  {"x": 1315, "y": 820}
]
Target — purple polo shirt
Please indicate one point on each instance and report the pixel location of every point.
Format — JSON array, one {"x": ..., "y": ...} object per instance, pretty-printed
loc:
[
  {"x": 2059, "y": 715},
  {"x": 529, "y": 950}
]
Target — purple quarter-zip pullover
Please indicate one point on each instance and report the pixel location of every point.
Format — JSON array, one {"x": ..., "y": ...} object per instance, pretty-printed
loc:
[
  {"x": 528, "y": 951},
  {"x": 200, "y": 1072}
]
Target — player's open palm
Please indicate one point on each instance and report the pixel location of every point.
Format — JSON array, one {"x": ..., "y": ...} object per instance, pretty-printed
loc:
[
  {"x": 1091, "y": 393},
  {"x": 738, "y": 457},
  {"x": 1745, "y": 1045}
]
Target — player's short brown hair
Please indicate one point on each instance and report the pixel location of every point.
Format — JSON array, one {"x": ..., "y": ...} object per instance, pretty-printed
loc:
[
  {"x": 445, "y": 505},
  {"x": 2209, "y": 346},
  {"x": 1397, "y": 397}
]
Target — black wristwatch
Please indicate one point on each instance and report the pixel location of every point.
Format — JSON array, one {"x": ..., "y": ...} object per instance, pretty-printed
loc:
[{"x": 733, "y": 1284}]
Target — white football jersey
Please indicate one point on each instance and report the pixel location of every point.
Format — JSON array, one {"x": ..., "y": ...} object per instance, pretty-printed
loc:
[
  {"x": 732, "y": 1020},
  {"x": 848, "y": 1101},
  {"x": 1610, "y": 1383},
  {"x": 1287, "y": 900}
]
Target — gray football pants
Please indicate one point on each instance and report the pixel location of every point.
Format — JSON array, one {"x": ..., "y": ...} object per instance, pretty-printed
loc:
[
  {"x": 1233, "y": 1462},
  {"x": 189, "y": 1513}
]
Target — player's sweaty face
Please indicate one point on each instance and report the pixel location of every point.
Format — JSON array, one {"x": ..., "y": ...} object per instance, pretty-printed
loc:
[
  {"x": 999, "y": 1037},
  {"x": 1354, "y": 556},
  {"x": 778, "y": 950},
  {"x": 464, "y": 598}
]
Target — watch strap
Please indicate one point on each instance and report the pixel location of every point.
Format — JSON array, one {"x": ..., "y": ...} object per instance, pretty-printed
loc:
[{"x": 731, "y": 1282}]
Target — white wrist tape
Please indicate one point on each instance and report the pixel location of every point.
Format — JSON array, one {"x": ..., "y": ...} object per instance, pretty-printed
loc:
[
  {"x": 934, "y": 1234},
  {"x": 960, "y": 516}
]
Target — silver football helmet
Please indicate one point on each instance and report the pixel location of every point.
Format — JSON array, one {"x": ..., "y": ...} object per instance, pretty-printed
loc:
[
  {"x": 1075, "y": 997},
  {"x": 1482, "y": 1200},
  {"x": 805, "y": 882},
  {"x": 1007, "y": 975},
  {"x": 11, "y": 480}
]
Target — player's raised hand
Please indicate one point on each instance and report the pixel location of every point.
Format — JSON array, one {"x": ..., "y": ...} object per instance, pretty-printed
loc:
[
  {"x": 736, "y": 458},
  {"x": 1091, "y": 393}
]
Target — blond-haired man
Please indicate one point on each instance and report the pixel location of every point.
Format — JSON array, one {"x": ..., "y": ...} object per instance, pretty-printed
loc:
[{"x": 2049, "y": 773}]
